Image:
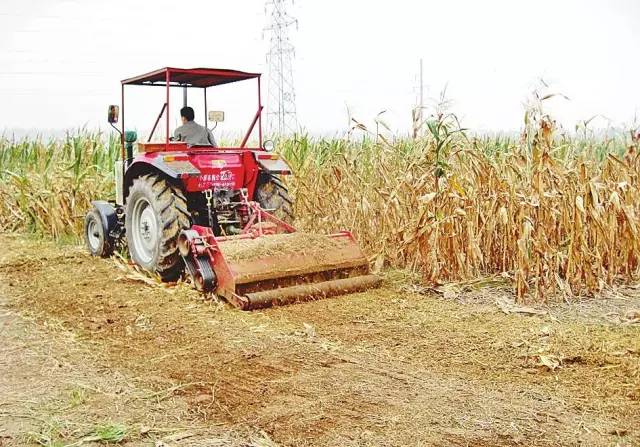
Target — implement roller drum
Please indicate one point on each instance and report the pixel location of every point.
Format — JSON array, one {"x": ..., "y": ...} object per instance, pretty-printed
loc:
[{"x": 312, "y": 291}]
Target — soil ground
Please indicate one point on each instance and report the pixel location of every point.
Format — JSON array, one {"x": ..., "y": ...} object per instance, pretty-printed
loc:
[{"x": 92, "y": 351}]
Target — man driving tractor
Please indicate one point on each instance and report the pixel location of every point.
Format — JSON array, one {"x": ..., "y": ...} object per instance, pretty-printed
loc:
[
  {"x": 191, "y": 132},
  {"x": 187, "y": 207}
]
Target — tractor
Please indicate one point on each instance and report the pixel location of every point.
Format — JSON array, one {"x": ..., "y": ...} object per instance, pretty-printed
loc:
[{"x": 198, "y": 208}]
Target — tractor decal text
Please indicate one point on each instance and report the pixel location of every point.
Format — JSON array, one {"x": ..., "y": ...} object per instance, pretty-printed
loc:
[{"x": 223, "y": 179}]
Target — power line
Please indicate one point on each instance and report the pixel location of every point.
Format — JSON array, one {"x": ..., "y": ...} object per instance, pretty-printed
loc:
[
  {"x": 48, "y": 73},
  {"x": 65, "y": 18},
  {"x": 27, "y": 16}
]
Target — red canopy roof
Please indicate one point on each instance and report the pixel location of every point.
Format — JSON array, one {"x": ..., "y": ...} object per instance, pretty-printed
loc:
[{"x": 191, "y": 77}]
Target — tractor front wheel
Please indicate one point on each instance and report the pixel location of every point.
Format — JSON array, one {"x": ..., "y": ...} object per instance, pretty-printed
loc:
[
  {"x": 97, "y": 240},
  {"x": 156, "y": 214},
  {"x": 273, "y": 196}
]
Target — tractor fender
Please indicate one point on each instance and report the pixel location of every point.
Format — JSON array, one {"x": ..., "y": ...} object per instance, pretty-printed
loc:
[
  {"x": 272, "y": 163},
  {"x": 108, "y": 215},
  {"x": 172, "y": 171}
]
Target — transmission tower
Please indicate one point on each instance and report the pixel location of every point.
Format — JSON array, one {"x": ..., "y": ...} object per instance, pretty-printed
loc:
[{"x": 281, "y": 102}]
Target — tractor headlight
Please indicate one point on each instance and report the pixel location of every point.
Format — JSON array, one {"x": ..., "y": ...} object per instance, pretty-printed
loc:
[{"x": 268, "y": 146}]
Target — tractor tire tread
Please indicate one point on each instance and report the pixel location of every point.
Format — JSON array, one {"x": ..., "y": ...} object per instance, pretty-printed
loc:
[
  {"x": 171, "y": 206},
  {"x": 277, "y": 197}
]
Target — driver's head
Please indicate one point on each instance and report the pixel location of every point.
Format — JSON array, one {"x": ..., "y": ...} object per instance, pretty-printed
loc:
[{"x": 186, "y": 113}]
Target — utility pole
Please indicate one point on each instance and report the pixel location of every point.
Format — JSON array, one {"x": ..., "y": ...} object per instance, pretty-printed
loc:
[
  {"x": 421, "y": 91},
  {"x": 281, "y": 103},
  {"x": 418, "y": 110}
]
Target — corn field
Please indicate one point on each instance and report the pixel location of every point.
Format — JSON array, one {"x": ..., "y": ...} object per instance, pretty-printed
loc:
[
  {"x": 46, "y": 188},
  {"x": 556, "y": 215}
]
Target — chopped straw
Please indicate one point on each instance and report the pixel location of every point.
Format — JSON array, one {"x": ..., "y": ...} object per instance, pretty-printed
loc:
[{"x": 298, "y": 243}]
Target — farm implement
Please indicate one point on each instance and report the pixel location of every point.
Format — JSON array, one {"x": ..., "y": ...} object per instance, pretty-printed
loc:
[{"x": 221, "y": 214}]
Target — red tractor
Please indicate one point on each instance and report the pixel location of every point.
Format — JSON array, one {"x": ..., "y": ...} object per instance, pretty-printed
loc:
[{"x": 199, "y": 208}]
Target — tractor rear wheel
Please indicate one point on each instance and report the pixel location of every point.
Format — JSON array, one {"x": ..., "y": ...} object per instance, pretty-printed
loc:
[
  {"x": 156, "y": 214},
  {"x": 273, "y": 196}
]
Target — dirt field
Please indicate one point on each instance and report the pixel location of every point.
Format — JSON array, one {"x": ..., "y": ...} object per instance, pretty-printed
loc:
[{"x": 90, "y": 352}]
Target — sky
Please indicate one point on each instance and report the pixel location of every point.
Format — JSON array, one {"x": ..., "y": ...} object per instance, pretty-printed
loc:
[{"x": 61, "y": 60}]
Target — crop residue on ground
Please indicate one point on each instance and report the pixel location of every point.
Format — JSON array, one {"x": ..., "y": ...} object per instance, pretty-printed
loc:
[{"x": 396, "y": 365}]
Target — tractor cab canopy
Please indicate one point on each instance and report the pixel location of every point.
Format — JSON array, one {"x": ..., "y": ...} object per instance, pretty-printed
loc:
[
  {"x": 193, "y": 77},
  {"x": 202, "y": 78}
]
